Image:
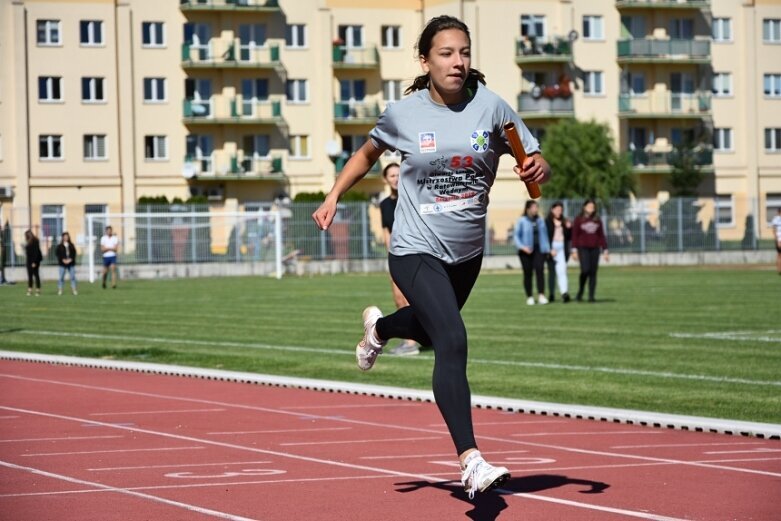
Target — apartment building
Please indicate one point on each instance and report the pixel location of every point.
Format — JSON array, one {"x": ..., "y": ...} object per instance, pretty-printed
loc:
[{"x": 245, "y": 101}]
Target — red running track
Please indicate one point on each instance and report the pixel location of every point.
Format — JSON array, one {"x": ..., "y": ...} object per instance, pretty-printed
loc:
[{"x": 92, "y": 444}]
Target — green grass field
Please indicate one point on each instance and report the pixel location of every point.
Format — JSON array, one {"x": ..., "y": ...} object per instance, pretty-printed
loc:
[{"x": 624, "y": 351}]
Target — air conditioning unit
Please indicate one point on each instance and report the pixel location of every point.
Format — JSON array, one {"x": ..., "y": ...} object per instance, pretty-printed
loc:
[{"x": 6, "y": 192}]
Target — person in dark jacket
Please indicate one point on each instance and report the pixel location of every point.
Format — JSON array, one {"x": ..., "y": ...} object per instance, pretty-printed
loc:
[
  {"x": 588, "y": 237},
  {"x": 33, "y": 258},
  {"x": 66, "y": 258},
  {"x": 560, "y": 237}
]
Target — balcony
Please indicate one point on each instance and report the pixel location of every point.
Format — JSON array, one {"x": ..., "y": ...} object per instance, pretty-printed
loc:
[
  {"x": 530, "y": 107},
  {"x": 356, "y": 112},
  {"x": 529, "y": 50},
  {"x": 677, "y": 51},
  {"x": 665, "y": 105},
  {"x": 663, "y": 4},
  {"x": 661, "y": 162},
  {"x": 355, "y": 58},
  {"x": 221, "y": 166},
  {"x": 243, "y": 6},
  {"x": 236, "y": 110},
  {"x": 374, "y": 171},
  {"x": 221, "y": 53},
  {"x": 249, "y": 167}
]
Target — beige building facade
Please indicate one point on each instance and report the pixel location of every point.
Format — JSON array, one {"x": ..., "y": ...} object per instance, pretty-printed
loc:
[{"x": 244, "y": 101}]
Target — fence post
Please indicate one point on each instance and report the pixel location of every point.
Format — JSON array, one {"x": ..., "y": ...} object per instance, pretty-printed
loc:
[
  {"x": 365, "y": 232},
  {"x": 680, "y": 224},
  {"x": 148, "y": 235},
  {"x": 193, "y": 238},
  {"x": 642, "y": 228},
  {"x": 755, "y": 231},
  {"x": 238, "y": 238},
  {"x": 716, "y": 223},
  {"x": 278, "y": 242},
  {"x": 90, "y": 249}
]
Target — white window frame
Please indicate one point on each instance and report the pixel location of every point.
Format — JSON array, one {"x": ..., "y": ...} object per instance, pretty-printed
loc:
[
  {"x": 95, "y": 143},
  {"x": 387, "y": 37},
  {"x": 154, "y": 83},
  {"x": 93, "y": 82},
  {"x": 156, "y": 145},
  {"x": 295, "y": 147},
  {"x": 772, "y": 204},
  {"x": 774, "y": 79},
  {"x": 49, "y": 89},
  {"x": 91, "y": 25},
  {"x": 722, "y": 85},
  {"x": 590, "y": 83},
  {"x": 50, "y": 27},
  {"x": 596, "y": 23},
  {"x": 771, "y": 30},
  {"x": 300, "y": 90},
  {"x": 292, "y": 36},
  {"x": 722, "y": 30},
  {"x": 773, "y": 144},
  {"x": 349, "y": 41},
  {"x": 724, "y": 201},
  {"x": 50, "y": 141},
  {"x": 58, "y": 215},
  {"x": 531, "y": 21},
  {"x": 157, "y": 41},
  {"x": 633, "y": 77},
  {"x": 722, "y": 133},
  {"x": 393, "y": 86}
]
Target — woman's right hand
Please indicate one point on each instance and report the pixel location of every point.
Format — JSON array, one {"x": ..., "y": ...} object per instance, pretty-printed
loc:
[
  {"x": 324, "y": 215},
  {"x": 34, "y": 265},
  {"x": 575, "y": 255}
]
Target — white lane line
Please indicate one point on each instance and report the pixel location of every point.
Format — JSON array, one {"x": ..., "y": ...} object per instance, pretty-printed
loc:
[
  {"x": 738, "y": 460},
  {"x": 446, "y": 455},
  {"x": 630, "y": 513},
  {"x": 734, "y": 335},
  {"x": 751, "y": 451},
  {"x": 279, "y": 431},
  {"x": 427, "y": 358},
  {"x": 186, "y": 506},
  {"x": 353, "y": 406},
  {"x": 313, "y": 416},
  {"x": 378, "y": 470},
  {"x": 66, "y": 438},
  {"x": 351, "y": 442},
  {"x": 153, "y": 412},
  {"x": 585, "y": 433},
  {"x": 118, "y": 451},
  {"x": 181, "y": 465},
  {"x": 532, "y": 422},
  {"x": 8, "y": 417},
  {"x": 684, "y": 445}
]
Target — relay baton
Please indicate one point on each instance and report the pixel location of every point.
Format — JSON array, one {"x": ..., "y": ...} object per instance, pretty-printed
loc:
[{"x": 520, "y": 157}]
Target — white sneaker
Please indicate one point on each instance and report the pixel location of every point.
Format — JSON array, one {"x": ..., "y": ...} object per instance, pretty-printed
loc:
[
  {"x": 542, "y": 300},
  {"x": 369, "y": 348},
  {"x": 530, "y": 301},
  {"x": 478, "y": 475}
]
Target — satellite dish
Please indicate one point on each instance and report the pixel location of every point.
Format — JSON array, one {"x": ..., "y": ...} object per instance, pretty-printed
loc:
[
  {"x": 573, "y": 35},
  {"x": 188, "y": 170},
  {"x": 333, "y": 148}
]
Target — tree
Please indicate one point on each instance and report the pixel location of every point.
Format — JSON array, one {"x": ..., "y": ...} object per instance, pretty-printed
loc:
[
  {"x": 585, "y": 163},
  {"x": 687, "y": 172}
]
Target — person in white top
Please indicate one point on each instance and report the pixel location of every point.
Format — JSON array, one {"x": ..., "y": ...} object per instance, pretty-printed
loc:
[
  {"x": 776, "y": 224},
  {"x": 109, "y": 245}
]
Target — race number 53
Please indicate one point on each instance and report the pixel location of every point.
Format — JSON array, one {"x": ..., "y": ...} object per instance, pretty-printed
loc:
[{"x": 460, "y": 161}]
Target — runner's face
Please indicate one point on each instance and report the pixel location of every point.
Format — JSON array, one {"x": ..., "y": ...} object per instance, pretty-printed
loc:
[
  {"x": 392, "y": 177},
  {"x": 448, "y": 62}
]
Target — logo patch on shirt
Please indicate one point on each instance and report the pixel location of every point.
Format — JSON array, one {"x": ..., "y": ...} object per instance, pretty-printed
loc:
[
  {"x": 428, "y": 142},
  {"x": 479, "y": 140}
]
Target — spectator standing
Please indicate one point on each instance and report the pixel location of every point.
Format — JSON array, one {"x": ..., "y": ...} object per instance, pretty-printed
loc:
[
  {"x": 66, "y": 258},
  {"x": 776, "y": 223},
  {"x": 588, "y": 237},
  {"x": 560, "y": 237},
  {"x": 109, "y": 245},
  {"x": 531, "y": 240},
  {"x": 33, "y": 258}
]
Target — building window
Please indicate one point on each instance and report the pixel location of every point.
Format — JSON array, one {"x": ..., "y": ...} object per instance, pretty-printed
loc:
[
  {"x": 772, "y": 85},
  {"x": 154, "y": 90},
  {"x": 49, "y": 146},
  {"x": 722, "y": 29},
  {"x": 722, "y": 139},
  {"x": 295, "y": 36},
  {"x": 156, "y": 148},
  {"x": 297, "y": 91},
  {"x": 773, "y": 140},
  {"x": 593, "y": 83},
  {"x": 391, "y": 90},
  {"x": 49, "y": 88},
  {"x": 95, "y": 146},
  {"x": 772, "y": 206},
  {"x": 48, "y": 32},
  {"x": 391, "y": 37},
  {"x": 533, "y": 26},
  {"x": 257, "y": 146},
  {"x": 725, "y": 211},
  {"x": 299, "y": 147},
  {"x": 91, "y": 32},
  {"x": 771, "y": 30},
  {"x": 682, "y": 28},
  {"x": 352, "y": 36},
  {"x": 593, "y": 28},
  {"x": 636, "y": 83},
  {"x": 153, "y": 34},
  {"x": 722, "y": 84},
  {"x": 52, "y": 221},
  {"x": 92, "y": 90}
]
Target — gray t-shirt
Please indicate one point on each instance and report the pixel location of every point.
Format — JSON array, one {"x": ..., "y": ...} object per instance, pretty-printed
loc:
[{"x": 449, "y": 157}]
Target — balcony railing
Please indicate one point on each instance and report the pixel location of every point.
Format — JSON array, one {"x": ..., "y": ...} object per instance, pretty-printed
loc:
[
  {"x": 529, "y": 106},
  {"x": 531, "y": 50},
  {"x": 650, "y": 50},
  {"x": 229, "y": 5},
  {"x": 353, "y": 58},
  {"x": 665, "y": 104},
  {"x": 219, "y": 164},
  {"x": 230, "y": 53},
  {"x": 249, "y": 166},
  {"x": 356, "y": 112},
  {"x": 342, "y": 160},
  {"x": 664, "y": 161},
  {"x": 666, "y": 4},
  {"x": 219, "y": 109}
]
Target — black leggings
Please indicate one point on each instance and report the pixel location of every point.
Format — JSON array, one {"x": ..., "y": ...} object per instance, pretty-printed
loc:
[
  {"x": 533, "y": 264},
  {"x": 436, "y": 292},
  {"x": 32, "y": 273},
  {"x": 589, "y": 263}
]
